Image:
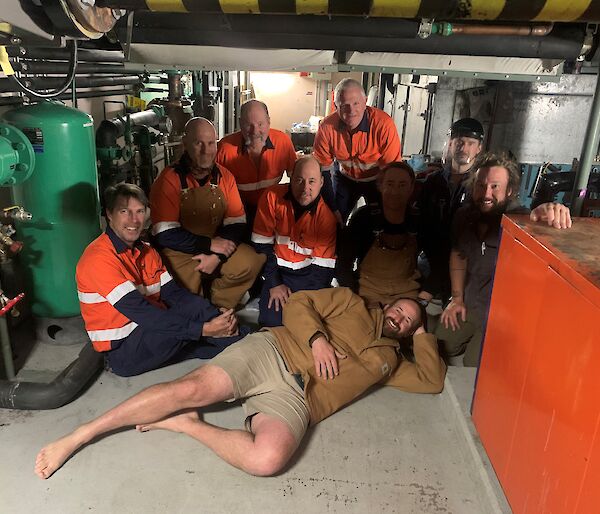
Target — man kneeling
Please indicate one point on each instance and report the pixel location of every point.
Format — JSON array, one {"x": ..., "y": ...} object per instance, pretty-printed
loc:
[{"x": 330, "y": 350}]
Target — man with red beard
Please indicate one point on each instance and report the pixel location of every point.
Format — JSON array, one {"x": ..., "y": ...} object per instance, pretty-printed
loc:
[
  {"x": 475, "y": 241},
  {"x": 330, "y": 350}
]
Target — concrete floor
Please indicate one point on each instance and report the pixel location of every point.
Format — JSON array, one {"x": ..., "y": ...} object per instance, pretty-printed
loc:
[{"x": 389, "y": 452}]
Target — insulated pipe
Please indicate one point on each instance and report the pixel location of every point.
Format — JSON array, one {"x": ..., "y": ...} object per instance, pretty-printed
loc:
[
  {"x": 36, "y": 52},
  {"x": 80, "y": 94},
  {"x": 62, "y": 390},
  {"x": 590, "y": 149},
  {"x": 42, "y": 83},
  {"x": 246, "y": 31},
  {"x": 541, "y": 10},
  {"x": 83, "y": 82},
  {"x": 57, "y": 67}
]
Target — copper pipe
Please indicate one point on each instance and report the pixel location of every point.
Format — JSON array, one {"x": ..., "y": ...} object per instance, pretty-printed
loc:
[{"x": 502, "y": 30}]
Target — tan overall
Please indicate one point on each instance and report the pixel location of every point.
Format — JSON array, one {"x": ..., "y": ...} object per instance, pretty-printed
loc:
[
  {"x": 389, "y": 272},
  {"x": 201, "y": 212}
]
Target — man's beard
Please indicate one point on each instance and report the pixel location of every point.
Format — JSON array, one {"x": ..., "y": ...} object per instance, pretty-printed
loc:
[{"x": 494, "y": 213}]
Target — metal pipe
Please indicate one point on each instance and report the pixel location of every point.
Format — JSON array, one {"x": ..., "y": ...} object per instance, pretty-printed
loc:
[
  {"x": 84, "y": 55},
  {"x": 80, "y": 94},
  {"x": 590, "y": 148},
  {"x": 9, "y": 365},
  {"x": 500, "y": 30},
  {"x": 33, "y": 67},
  {"x": 98, "y": 93},
  {"x": 83, "y": 82},
  {"x": 43, "y": 83}
]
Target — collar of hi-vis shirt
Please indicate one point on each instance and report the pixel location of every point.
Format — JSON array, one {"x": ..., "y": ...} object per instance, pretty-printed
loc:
[
  {"x": 299, "y": 210},
  {"x": 183, "y": 168},
  {"x": 120, "y": 245},
  {"x": 363, "y": 126},
  {"x": 244, "y": 149}
]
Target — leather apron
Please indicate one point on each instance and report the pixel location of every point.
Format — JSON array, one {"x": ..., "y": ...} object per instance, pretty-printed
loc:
[
  {"x": 201, "y": 212},
  {"x": 389, "y": 272}
]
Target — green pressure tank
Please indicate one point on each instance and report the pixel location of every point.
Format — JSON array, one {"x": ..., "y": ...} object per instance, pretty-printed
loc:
[{"x": 62, "y": 196}]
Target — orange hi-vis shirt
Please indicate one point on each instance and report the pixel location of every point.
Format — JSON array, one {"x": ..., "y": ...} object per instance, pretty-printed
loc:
[
  {"x": 278, "y": 156},
  {"x": 165, "y": 198},
  {"x": 296, "y": 243},
  {"x": 107, "y": 271},
  {"x": 374, "y": 144}
]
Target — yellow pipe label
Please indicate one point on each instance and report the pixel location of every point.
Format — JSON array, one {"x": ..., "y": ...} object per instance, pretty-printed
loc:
[
  {"x": 486, "y": 9},
  {"x": 240, "y": 6},
  {"x": 562, "y": 10},
  {"x": 7, "y": 69},
  {"x": 312, "y": 6},
  {"x": 394, "y": 8},
  {"x": 166, "y": 5}
]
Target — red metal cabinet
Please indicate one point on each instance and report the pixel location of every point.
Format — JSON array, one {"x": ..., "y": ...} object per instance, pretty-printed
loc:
[{"x": 537, "y": 399}]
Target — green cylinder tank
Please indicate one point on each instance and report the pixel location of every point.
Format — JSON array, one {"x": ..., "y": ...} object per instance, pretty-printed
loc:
[{"x": 62, "y": 196}]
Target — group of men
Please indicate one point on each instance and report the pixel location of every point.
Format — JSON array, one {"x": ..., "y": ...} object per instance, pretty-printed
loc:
[{"x": 221, "y": 220}]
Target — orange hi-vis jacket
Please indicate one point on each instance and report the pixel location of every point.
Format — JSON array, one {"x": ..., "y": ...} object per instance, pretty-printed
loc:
[
  {"x": 308, "y": 241},
  {"x": 278, "y": 156},
  {"x": 166, "y": 198},
  {"x": 361, "y": 154},
  {"x": 109, "y": 270}
]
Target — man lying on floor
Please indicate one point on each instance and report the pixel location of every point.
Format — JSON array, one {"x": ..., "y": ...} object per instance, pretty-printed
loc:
[{"x": 330, "y": 350}]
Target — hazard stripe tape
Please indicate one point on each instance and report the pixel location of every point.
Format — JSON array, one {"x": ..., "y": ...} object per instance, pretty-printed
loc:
[{"x": 533, "y": 10}]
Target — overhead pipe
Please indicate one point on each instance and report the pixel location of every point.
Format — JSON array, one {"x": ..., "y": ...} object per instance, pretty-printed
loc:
[
  {"x": 450, "y": 29},
  {"x": 43, "y": 83},
  {"x": 84, "y": 82},
  {"x": 28, "y": 66},
  {"x": 84, "y": 55},
  {"x": 62, "y": 390},
  {"x": 11, "y": 100},
  {"x": 545, "y": 10},
  {"x": 380, "y": 35},
  {"x": 590, "y": 149}
]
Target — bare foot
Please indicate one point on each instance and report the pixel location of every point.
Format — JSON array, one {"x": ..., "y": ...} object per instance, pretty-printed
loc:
[
  {"x": 54, "y": 455},
  {"x": 176, "y": 423}
]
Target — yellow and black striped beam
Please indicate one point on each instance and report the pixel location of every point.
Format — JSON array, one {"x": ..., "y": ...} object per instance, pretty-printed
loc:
[{"x": 505, "y": 10}]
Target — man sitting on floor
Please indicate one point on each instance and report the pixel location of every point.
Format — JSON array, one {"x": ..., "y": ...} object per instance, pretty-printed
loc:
[
  {"x": 132, "y": 308},
  {"x": 199, "y": 221},
  {"x": 295, "y": 229},
  {"x": 330, "y": 350}
]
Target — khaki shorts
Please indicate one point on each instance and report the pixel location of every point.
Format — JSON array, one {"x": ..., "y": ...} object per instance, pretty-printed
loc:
[{"x": 260, "y": 378}]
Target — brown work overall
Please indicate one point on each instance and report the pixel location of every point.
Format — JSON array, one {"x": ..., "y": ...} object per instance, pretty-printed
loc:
[
  {"x": 389, "y": 272},
  {"x": 202, "y": 210}
]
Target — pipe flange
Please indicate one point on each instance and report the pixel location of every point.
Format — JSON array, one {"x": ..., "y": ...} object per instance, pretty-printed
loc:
[
  {"x": 78, "y": 17},
  {"x": 24, "y": 156}
]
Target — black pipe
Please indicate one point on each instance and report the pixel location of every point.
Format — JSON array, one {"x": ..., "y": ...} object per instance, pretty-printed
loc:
[
  {"x": 98, "y": 93},
  {"x": 34, "y": 67},
  {"x": 82, "y": 82},
  {"x": 345, "y": 34},
  {"x": 10, "y": 100},
  {"x": 43, "y": 83},
  {"x": 62, "y": 390},
  {"x": 36, "y": 52}
]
